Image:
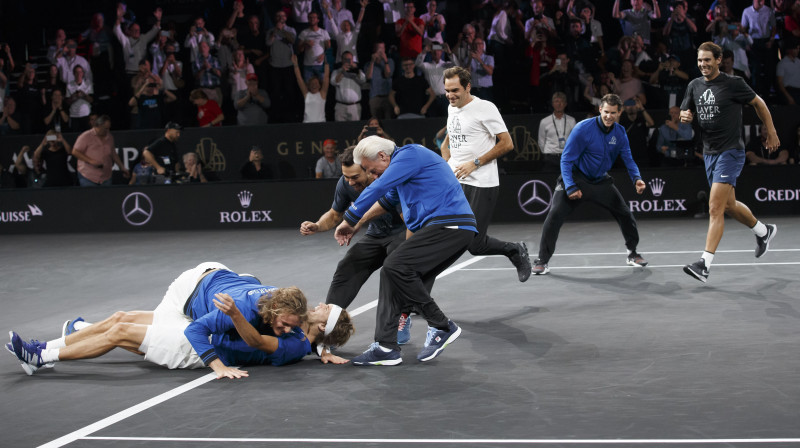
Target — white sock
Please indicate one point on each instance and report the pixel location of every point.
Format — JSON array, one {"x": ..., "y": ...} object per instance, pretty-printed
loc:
[
  {"x": 80, "y": 325},
  {"x": 759, "y": 229},
  {"x": 707, "y": 257},
  {"x": 387, "y": 350},
  {"x": 629, "y": 252},
  {"x": 50, "y": 355},
  {"x": 57, "y": 343}
]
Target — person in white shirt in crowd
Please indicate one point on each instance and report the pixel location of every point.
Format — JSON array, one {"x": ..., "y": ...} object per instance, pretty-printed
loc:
[
  {"x": 539, "y": 23},
  {"x": 335, "y": 15},
  {"x": 348, "y": 80},
  {"x": 134, "y": 43},
  {"x": 315, "y": 92},
  {"x": 67, "y": 62},
  {"x": 481, "y": 68},
  {"x": 345, "y": 34},
  {"x": 79, "y": 98},
  {"x": 554, "y": 130},
  {"x": 434, "y": 74},
  {"x": 312, "y": 42},
  {"x": 198, "y": 33},
  {"x": 434, "y": 24}
]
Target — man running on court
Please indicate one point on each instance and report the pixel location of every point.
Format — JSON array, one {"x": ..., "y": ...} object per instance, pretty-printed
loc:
[
  {"x": 590, "y": 151},
  {"x": 476, "y": 137},
  {"x": 186, "y": 331},
  {"x": 717, "y": 98},
  {"x": 436, "y": 211}
]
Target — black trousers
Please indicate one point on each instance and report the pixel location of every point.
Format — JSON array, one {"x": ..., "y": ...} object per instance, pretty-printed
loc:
[
  {"x": 482, "y": 202},
  {"x": 408, "y": 270},
  {"x": 602, "y": 193}
]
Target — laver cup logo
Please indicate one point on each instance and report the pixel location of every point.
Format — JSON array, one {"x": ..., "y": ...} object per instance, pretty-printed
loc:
[{"x": 245, "y": 200}]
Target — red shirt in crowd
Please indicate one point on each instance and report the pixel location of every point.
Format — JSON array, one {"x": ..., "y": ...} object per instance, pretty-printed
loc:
[{"x": 208, "y": 112}]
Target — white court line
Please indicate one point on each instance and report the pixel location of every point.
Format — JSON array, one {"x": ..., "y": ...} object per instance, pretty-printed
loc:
[
  {"x": 649, "y": 266},
  {"x": 732, "y": 251},
  {"x": 122, "y": 415},
  {"x": 459, "y": 441}
]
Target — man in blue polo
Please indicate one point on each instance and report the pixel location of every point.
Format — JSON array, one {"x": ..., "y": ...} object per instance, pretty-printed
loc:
[
  {"x": 443, "y": 225},
  {"x": 590, "y": 151}
]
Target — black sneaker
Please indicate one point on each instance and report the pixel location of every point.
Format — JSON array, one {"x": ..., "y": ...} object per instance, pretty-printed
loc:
[
  {"x": 540, "y": 267},
  {"x": 697, "y": 270},
  {"x": 762, "y": 242},
  {"x": 522, "y": 261},
  {"x": 636, "y": 259}
]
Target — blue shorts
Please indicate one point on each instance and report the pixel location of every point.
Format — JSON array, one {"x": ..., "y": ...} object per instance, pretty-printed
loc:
[{"x": 725, "y": 167}]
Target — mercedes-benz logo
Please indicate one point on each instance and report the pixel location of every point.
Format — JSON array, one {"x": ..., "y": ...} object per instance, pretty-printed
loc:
[
  {"x": 534, "y": 197},
  {"x": 137, "y": 209}
]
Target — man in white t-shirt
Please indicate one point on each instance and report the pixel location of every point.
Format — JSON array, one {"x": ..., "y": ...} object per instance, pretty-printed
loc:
[
  {"x": 313, "y": 41},
  {"x": 476, "y": 138},
  {"x": 553, "y": 132}
]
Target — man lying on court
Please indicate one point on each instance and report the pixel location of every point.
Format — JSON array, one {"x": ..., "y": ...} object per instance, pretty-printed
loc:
[{"x": 187, "y": 331}]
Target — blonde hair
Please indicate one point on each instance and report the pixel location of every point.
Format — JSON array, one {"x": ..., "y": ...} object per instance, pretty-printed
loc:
[{"x": 280, "y": 301}]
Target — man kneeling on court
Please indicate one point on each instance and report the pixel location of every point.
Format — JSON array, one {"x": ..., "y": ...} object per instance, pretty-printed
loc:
[{"x": 255, "y": 324}]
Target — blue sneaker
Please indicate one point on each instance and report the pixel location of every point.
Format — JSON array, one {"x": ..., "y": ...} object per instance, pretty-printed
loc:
[
  {"x": 439, "y": 340},
  {"x": 375, "y": 356},
  {"x": 30, "y": 355},
  {"x": 429, "y": 336},
  {"x": 404, "y": 329},
  {"x": 69, "y": 327},
  {"x": 36, "y": 342}
]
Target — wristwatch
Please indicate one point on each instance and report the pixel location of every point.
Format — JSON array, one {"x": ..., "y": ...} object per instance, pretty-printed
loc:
[{"x": 477, "y": 162}]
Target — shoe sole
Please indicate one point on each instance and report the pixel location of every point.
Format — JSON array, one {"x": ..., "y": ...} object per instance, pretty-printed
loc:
[
  {"x": 388, "y": 362},
  {"x": 546, "y": 270},
  {"x": 766, "y": 249},
  {"x": 449, "y": 340},
  {"x": 633, "y": 263},
  {"x": 689, "y": 271}
]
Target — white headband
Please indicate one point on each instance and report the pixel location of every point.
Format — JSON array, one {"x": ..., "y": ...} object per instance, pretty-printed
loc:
[{"x": 336, "y": 311}]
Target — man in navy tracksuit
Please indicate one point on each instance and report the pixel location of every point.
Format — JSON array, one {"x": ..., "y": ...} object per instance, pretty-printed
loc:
[
  {"x": 590, "y": 151},
  {"x": 443, "y": 225}
]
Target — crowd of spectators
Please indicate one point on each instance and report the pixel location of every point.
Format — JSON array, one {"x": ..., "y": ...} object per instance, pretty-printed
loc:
[{"x": 273, "y": 61}]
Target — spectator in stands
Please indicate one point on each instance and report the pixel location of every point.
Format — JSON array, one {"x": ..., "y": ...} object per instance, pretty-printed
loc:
[
  {"x": 172, "y": 78},
  {"x": 463, "y": 50},
  {"x": 539, "y": 23},
  {"x": 637, "y": 123},
  {"x": 679, "y": 30},
  {"x": 562, "y": 77},
  {"x": 280, "y": 41},
  {"x": 373, "y": 127},
  {"x": 542, "y": 56},
  {"x": 718, "y": 24},
  {"x": 506, "y": 23},
  {"x": 334, "y": 17},
  {"x": 669, "y": 134},
  {"x": 237, "y": 20},
  {"x": 637, "y": 18},
  {"x": 69, "y": 60},
  {"x": 29, "y": 102},
  {"x": 255, "y": 168},
  {"x": 434, "y": 74},
  {"x": 380, "y": 72},
  {"x": 51, "y": 83},
  {"x": 729, "y": 65},
  {"x": 208, "y": 110},
  {"x": 162, "y": 153},
  {"x": 134, "y": 43},
  {"x": 788, "y": 73},
  {"x": 481, "y": 68},
  {"x": 313, "y": 41},
  {"x": 96, "y": 155},
  {"x": 238, "y": 71},
  {"x": 300, "y": 13},
  {"x": 732, "y": 39},
  {"x": 9, "y": 118},
  {"x": 208, "y": 73},
  {"x": 758, "y": 154},
  {"x": 158, "y": 50},
  {"x": 251, "y": 104},
  {"x": 628, "y": 86},
  {"x": 329, "y": 166},
  {"x": 595, "y": 90},
  {"x": 315, "y": 93},
  {"x": 79, "y": 99},
  {"x": 198, "y": 33},
  {"x": 758, "y": 21},
  {"x": 671, "y": 80},
  {"x": 23, "y": 176},
  {"x": 434, "y": 24},
  {"x": 345, "y": 35},
  {"x": 411, "y": 96},
  {"x": 410, "y": 30},
  {"x": 554, "y": 130},
  {"x": 58, "y": 47},
  {"x": 591, "y": 32},
  {"x": 194, "y": 168},
  {"x": 100, "y": 55},
  {"x": 150, "y": 101},
  {"x": 50, "y": 158},
  {"x": 791, "y": 21},
  {"x": 142, "y": 174},
  {"x": 254, "y": 43},
  {"x": 577, "y": 46},
  {"x": 57, "y": 118},
  {"x": 348, "y": 80}
]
